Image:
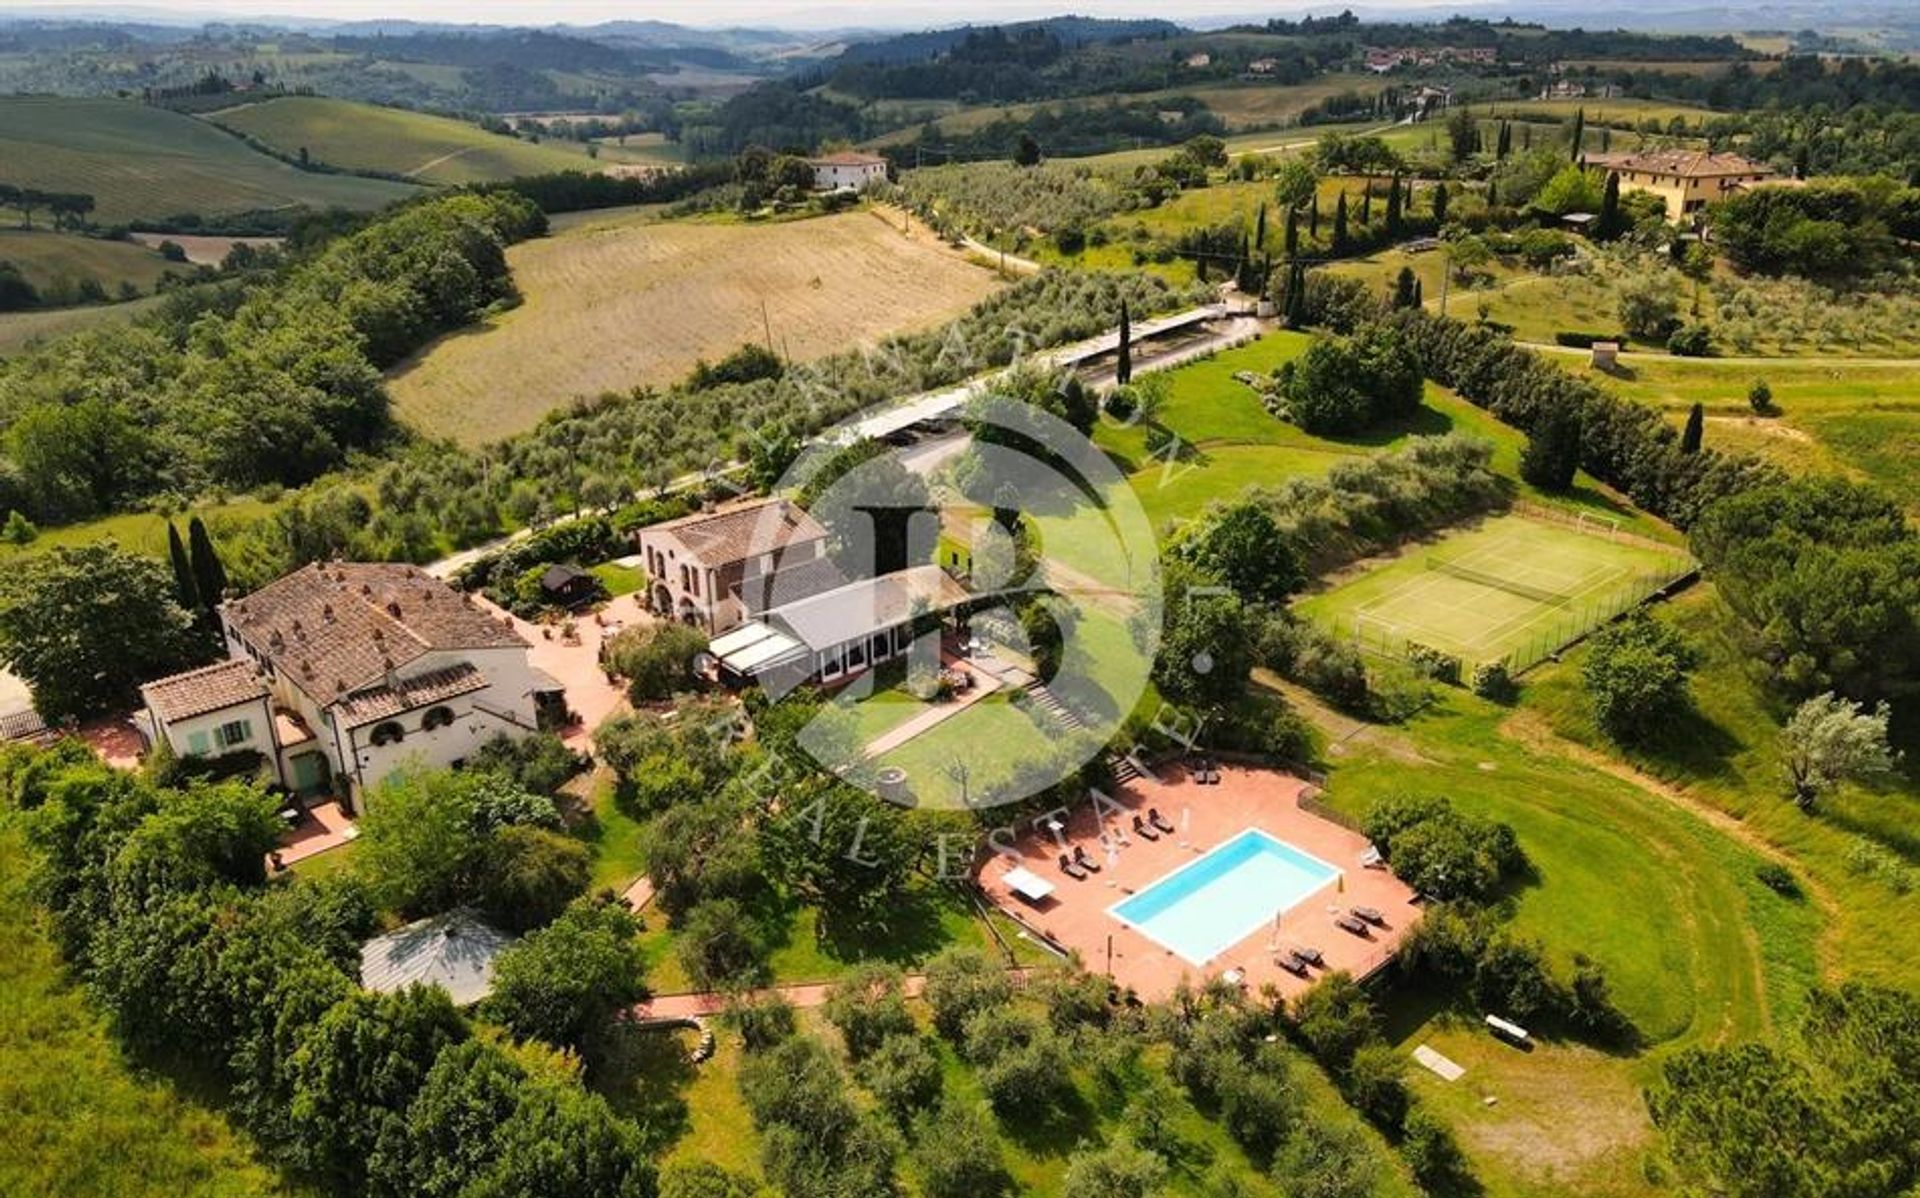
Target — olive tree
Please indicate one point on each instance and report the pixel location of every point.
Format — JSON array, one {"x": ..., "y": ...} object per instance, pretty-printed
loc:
[{"x": 1831, "y": 740}]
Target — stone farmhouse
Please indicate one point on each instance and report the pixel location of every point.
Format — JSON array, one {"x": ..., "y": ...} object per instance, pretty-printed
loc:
[
  {"x": 716, "y": 569},
  {"x": 1688, "y": 180},
  {"x": 846, "y": 169},
  {"x": 340, "y": 674}
]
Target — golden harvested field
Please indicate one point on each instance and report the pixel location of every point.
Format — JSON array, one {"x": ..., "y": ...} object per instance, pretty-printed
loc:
[{"x": 613, "y": 304}]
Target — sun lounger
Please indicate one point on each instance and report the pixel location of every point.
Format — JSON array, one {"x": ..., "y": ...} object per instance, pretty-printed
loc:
[
  {"x": 1140, "y": 828},
  {"x": 1072, "y": 870},
  {"x": 1371, "y": 915},
  {"x": 1084, "y": 861},
  {"x": 1159, "y": 821},
  {"x": 1348, "y": 923},
  {"x": 1307, "y": 956},
  {"x": 1371, "y": 859},
  {"x": 1292, "y": 964}
]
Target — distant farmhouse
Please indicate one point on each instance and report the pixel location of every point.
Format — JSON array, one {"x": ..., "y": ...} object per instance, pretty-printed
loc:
[
  {"x": 847, "y": 169},
  {"x": 341, "y": 673},
  {"x": 1688, "y": 180},
  {"x": 1380, "y": 60}
]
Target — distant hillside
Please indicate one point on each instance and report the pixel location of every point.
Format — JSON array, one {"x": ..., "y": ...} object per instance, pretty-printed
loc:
[
  {"x": 144, "y": 163},
  {"x": 366, "y": 137},
  {"x": 1068, "y": 31}
]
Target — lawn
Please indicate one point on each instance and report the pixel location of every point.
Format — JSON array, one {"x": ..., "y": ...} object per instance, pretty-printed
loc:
[
  {"x": 368, "y": 137},
  {"x": 146, "y": 532},
  {"x": 1229, "y": 442},
  {"x": 79, "y": 1122},
  {"x": 1859, "y": 418},
  {"x": 141, "y": 162},
  {"x": 1696, "y": 949},
  {"x": 624, "y": 302},
  {"x": 618, "y": 579},
  {"x": 1726, "y": 757},
  {"x": 19, "y": 330},
  {"x": 1512, "y": 589},
  {"x": 52, "y": 261}
]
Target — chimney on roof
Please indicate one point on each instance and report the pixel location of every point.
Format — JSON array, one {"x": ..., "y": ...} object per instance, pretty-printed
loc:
[
  {"x": 326, "y": 612},
  {"x": 393, "y": 609}
]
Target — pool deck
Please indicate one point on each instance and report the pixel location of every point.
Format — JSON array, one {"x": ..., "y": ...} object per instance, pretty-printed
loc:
[{"x": 1076, "y": 915}]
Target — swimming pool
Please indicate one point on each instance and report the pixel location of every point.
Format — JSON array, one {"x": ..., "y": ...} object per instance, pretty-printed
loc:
[{"x": 1205, "y": 907}]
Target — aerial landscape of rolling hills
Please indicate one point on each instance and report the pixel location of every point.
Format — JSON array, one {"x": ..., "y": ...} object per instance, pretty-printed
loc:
[{"x": 858, "y": 602}]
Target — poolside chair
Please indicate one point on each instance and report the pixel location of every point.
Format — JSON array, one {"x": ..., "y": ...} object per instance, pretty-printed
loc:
[
  {"x": 1083, "y": 860},
  {"x": 1348, "y": 923},
  {"x": 1159, "y": 821},
  {"x": 1145, "y": 833},
  {"x": 1291, "y": 963},
  {"x": 1308, "y": 956},
  {"x": 1371, "y": 914},
  {"x": 1213, "y": 772},
  {"x": 1070, "y": 868}
]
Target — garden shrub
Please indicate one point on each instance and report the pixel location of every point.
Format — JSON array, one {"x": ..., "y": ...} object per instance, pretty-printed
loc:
[
  {"x": 1491, "y": 680},
  {"x": 1442, "y": 667}
]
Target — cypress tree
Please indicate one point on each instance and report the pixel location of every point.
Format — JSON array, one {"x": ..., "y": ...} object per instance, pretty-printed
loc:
[
  {"x": 184, "y": 590},
  {"x": 1579, "y": 134},
  {"x": 1493, "y": 194},
  {"x": 1526, "y": 137},
  {"x": 1123, "y": 363},
  {"x": 1340, "y": 225},
  {"x": 1552, "y": 454},
  {"x": 1503, "y": 146},
  {"x": 1366, "y": 203},
  {"x": 1393, "y": 207},
  {"x": 1290, "y": 238},
  {"x": 1695, "y": 431},
  {"x": 1419, "y": 293},
  {"x": 1313, "y": 217},
  {"x": 209, "y": 576},
  {"x": 1606, "y": 138},
  {"x": 1404, "y": 287},
  {"x": 1260, "y": 227},
  {"x": 1609, "y": 221},
  {"x": 1440, "y": 198}
]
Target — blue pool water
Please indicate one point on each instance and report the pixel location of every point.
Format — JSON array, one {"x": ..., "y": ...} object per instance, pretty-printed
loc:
[{"x": 1206, "y": 907}]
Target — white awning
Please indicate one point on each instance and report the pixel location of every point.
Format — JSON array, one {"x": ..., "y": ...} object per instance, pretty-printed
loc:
[
  {"x": 1027, "y": 884},
  {"x": 739, "y": 638},
  {"x": 767, "y": 651}
]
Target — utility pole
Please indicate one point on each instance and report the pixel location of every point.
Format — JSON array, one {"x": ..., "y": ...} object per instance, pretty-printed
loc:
[{"x": 766, "y": 326}]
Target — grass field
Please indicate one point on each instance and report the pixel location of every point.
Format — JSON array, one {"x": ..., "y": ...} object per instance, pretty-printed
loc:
[
  {"x": 18, "y": 330},
  {"x": 79, "y": 1123},
  {"x": 1852, "y": 417},
  {"x": 367, "y": 137},
  {"x": 615, "y": 304},
  {"x": 46, "y": 258},
  {"x": 1513, "y": 589},
  {"x": 141, "y": 162}
]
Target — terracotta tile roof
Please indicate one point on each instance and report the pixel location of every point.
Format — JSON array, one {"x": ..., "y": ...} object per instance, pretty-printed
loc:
[
  {"x": 410, "y": 694},
  {"x": 209, "y": 688},
  {"x": 848, "y": 158},
  {"x": 339, "y": 627},
  {"x": 735, "y": 534},
  {"x": 1685, "y": 164}
]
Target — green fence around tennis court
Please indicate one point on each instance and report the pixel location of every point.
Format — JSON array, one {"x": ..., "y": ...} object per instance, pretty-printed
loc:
[{"x": 1562, "y": 619}]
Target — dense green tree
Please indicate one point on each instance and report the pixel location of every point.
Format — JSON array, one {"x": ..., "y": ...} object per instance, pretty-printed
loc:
[
  {"x": 903, "y": 1074},
  {"x": 655, "y": 659},
  {"x": 1117, "y": 1170},
  {"x": 567, "y": 981},
  {"x": 85, "y": 626},
  {"x": 718, "y": 946},
  {"x": 1022, "y": 1063},
  {"x": 1341, "y": 241},
  {"x": 186, "y": 590},
  {"x": 869, "y": 1006},
  {"x": 957, "y": 1152},
  {"x": 1552, "y": 456},
  {"x": 1830, "y": 740},
  {"x": 1326, "y": 1160},
  {"x": 1242, "y": 546},
  {"x": 704, "y": 1179},
  {"x": 427, "y": 839},
  {"x": 532, "y": 875},
  {"x": 838, "y": 849},
  {"x": 209, "y": 575},
  {"x": 960, "y": 984},
  {"x": 1335, "y": 1019},
  {"x": 1206, "y": 642},
  {"x": 1405, "y": 288},
  {"x": 1346, "y": 384},
  {"x": 1636, "y": 677},
  {"x": 1696, "y": 428}
]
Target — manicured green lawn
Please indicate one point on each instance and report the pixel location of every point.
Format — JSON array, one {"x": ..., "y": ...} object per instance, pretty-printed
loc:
[
  {"x": 618, "y": 579},
  {"x": 618, "y": 841},
  {"x": 1727, "y": 757},
  {"x": 79, "y": 1122},
  {"x": 1696, "y": 949}
]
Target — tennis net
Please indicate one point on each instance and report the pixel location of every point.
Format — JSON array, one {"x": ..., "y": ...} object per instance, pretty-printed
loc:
[{"x": 1511, "y": 586}]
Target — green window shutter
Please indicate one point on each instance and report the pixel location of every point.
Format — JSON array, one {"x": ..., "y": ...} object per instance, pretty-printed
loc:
[{"x": 197, "y": 744}]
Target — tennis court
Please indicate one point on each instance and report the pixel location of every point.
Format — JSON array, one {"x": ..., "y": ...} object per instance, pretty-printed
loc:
[{"x": 1512, "y": 589}]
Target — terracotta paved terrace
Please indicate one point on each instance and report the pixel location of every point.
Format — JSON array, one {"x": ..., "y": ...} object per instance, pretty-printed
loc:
[{"x": 1077, "y": 916}]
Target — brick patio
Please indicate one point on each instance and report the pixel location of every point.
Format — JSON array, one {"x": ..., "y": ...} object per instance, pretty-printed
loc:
[{"x": 1075, "y": 915}]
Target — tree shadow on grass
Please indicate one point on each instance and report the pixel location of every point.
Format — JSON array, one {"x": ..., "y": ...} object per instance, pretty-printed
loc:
[
  {"x": 1056, "y": 1132},
  {"x": 913, "y": 931},
  {"x": 643, "y": 1074}
]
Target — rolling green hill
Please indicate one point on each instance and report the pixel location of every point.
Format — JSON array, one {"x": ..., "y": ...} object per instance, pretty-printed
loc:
[
  {"x": 142, "y": 162},
  {"x": 46, "y": 258},
  {"x": 367, "y": 137}
]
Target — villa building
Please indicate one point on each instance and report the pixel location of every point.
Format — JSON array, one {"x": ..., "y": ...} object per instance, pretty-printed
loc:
[
  {"x": 1688, "y": 180},
  {"x": 340, "y": 674},
  {"x": 716, "y": 569},
  {"x": 848, "y": 169},
  {"x": 840, "y": 632}
]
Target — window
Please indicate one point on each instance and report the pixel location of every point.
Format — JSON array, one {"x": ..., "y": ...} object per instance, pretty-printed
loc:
[
  {"x": 436, "y": 717},
  {"x": 233, "y": 732},
  {"x": 388, "y": 733}
]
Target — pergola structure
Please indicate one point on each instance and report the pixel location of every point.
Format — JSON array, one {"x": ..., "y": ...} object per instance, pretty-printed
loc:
[{"x": 838, "y": 633}]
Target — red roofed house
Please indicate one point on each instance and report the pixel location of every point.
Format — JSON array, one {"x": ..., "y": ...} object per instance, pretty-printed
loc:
[
  {"x": 717, "y": 569},
  {"x": 847, "y": 168},
  {"x": 342, "y": 673},
  {"x": 1688, "y": 180}
]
